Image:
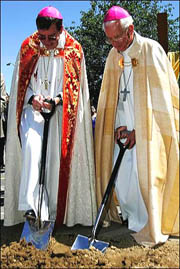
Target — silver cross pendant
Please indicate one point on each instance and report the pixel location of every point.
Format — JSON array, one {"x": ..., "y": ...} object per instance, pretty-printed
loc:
[{"x": 125, "y": 92}]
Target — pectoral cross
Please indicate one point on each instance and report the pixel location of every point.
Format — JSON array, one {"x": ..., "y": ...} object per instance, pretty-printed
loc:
[
  {"x": 46, "y": 83},
  {"x": 125, "y": 92}
]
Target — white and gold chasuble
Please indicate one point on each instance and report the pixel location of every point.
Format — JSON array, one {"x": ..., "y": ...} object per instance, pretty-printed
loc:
[{"x": 156, "y": 124}]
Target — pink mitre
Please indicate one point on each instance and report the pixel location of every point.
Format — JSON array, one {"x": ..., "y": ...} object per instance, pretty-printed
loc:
[
  {"x": 116, "y": 13},
  {"x": 50, "y": 12}
]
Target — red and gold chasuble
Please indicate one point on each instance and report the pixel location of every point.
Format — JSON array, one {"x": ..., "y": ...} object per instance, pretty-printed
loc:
[{"x": 72, "y": 54}]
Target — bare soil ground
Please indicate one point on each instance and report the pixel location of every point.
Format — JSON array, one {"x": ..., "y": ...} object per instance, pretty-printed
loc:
[{"x": 122, "y": 253}]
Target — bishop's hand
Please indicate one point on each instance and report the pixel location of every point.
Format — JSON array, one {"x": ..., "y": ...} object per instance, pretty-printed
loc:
[
  {"x": 37, "y": 102},
  {"x": 46, "y": 104},
  {"x": 123, "y": 133}
]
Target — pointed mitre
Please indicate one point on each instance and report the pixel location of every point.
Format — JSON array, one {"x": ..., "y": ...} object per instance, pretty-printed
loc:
[
  {"x": 116, "y": 13},
  {"x": 50, "y": 12}
]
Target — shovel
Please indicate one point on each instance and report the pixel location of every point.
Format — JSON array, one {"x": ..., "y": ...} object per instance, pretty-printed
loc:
[
  {"x": 83, "y": 242},
  {"x": 35, "y": 230}
]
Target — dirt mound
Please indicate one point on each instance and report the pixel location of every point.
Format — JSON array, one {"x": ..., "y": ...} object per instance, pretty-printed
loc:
[{"x": 58, "y": 255}]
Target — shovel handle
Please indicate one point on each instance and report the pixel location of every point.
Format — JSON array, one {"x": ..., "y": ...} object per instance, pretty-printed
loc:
[
  {"x": 109, "y": 186},
  {"x": 46, "y": 116},
  {"x": 114, "y": 172}
]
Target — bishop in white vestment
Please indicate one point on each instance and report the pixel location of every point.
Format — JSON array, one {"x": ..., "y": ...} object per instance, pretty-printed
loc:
[
  {"x": 44, "y": 70},
  {"x": 127, "y": 185},
  {"x": 139, "y": 102}
]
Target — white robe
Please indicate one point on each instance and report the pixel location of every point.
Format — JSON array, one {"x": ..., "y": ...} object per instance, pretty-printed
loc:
[
  {"x": 81, "y": 203},
  {"x": 127, "y": 185},
  {"x": 31, "y": 129}
]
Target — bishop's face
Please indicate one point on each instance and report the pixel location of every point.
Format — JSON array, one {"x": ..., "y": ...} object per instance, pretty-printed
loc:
[
  {"x": 117, "y": 36},
  {"x": 50, "y": 37}
]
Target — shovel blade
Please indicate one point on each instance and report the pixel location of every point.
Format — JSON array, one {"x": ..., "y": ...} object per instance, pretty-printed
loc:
[
  {"x": 83, "y": 242},
  {"x": 38, "y": 237}
]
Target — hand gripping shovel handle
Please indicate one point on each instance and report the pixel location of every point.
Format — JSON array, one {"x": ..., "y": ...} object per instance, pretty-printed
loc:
[
  {"x": 46, "y": 116},
  {"x": 109, "y": 188}
]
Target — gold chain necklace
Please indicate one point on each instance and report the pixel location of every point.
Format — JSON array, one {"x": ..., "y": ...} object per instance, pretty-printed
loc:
[{"x": 46, "y": 82}]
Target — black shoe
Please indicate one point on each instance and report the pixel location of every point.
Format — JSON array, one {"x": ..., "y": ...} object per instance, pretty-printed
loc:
[
  {"x": 124, "y": 222},
  {"x": 30, "y": 214}
]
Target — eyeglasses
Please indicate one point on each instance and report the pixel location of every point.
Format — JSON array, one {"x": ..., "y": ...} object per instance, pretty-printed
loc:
[
  {"x": 116, "y": 39},
  {"x": 49, "y": 37}
]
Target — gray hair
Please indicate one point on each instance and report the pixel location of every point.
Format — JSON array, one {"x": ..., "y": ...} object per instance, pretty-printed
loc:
[{"x": 125, "y": 22}]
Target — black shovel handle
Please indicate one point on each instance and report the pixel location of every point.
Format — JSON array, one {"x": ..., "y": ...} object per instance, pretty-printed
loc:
[
  {"x": 46, "y": 116},
  {"x": 109, "y": 187}
]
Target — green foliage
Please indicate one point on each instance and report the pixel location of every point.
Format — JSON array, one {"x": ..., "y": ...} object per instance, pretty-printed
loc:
[{"x": 92, "y": 37}]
